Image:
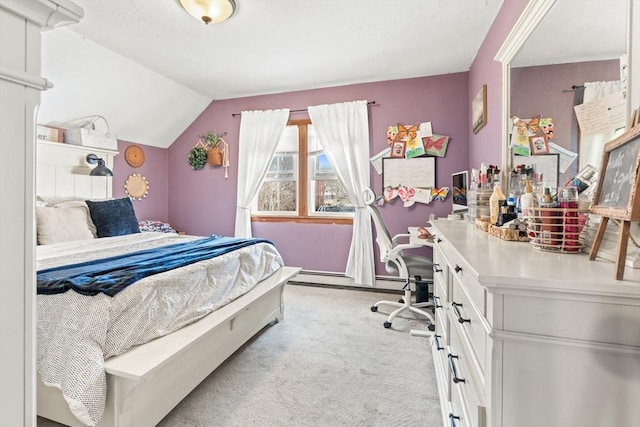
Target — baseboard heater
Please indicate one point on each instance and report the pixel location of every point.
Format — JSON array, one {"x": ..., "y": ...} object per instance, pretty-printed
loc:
[{"x": 327, "y": 278}]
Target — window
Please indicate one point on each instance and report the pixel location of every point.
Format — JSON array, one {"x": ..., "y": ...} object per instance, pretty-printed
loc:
[{"x": 304, "y": 188}]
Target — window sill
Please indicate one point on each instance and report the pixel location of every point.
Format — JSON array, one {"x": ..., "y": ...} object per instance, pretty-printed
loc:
[{"x": 303, "y": 219}]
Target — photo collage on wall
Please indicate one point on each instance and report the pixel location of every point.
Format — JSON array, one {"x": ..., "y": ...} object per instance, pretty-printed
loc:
[
  {"x": 411, "y": 141},
  {"x": 534, "y": 138}
]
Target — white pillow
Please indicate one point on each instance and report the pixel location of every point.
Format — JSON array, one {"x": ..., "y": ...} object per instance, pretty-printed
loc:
[
  {"x": 79, "y": 204},
  {"x": 62, "y": 224}
]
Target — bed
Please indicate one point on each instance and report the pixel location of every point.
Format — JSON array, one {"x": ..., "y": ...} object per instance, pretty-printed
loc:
[{"x": 141, "y": 361}]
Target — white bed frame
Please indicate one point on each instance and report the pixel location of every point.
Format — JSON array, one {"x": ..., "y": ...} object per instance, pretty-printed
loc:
[{"x": 147, "y": 382}]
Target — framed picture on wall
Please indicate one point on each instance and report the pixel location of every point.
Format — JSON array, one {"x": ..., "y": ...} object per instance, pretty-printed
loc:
[
  {"x": 538, "y": 144},
  {"x": 479, "y": 110},
  {"x": 398, "y": 149}
]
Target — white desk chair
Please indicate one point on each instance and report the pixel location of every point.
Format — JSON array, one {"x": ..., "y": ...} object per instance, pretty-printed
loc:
[{"x": 404, "y": 266}]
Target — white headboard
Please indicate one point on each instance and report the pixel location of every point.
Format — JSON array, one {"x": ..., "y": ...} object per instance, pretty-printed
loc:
[{"x": 62, "y": 171}]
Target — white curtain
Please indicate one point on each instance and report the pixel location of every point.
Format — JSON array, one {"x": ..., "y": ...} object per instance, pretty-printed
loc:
[
  {"x": 343, "y": 131},
  {"x": 592, "y": 146},
  {"x": 260, "y": 132}
]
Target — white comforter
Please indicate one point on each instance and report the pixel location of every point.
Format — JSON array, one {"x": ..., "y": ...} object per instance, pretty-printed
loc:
[{"x": 76, "y": 333}]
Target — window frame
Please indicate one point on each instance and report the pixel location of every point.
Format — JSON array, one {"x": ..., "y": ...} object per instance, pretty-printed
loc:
[{"x": 303, "y": 215}]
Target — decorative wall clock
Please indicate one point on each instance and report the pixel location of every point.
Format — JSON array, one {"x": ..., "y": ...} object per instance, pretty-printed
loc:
[
  {"x": 136, "y": 186},
  {"x": 134, "y": 155}
]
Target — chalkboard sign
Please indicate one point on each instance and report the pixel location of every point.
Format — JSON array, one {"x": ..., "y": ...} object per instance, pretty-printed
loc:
[{"x": 616, "y": 196}]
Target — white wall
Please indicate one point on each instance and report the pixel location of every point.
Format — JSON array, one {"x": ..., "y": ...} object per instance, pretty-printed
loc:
[{"x": 140, "y": 105}]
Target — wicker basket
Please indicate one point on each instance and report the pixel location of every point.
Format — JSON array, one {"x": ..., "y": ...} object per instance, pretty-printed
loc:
[
  {"x": 214, "y": 156},
  {"x": 558, "y": 229}
]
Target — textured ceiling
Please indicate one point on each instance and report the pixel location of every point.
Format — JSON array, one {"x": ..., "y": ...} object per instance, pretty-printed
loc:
[
  {"x": 595, "y": 30},
  {"x": 271, "y": 46}
]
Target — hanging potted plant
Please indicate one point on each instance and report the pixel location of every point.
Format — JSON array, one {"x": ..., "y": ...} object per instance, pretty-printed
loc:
[
  {"x": 198, "y": 156},
  {"x": 212, "y": 142}
]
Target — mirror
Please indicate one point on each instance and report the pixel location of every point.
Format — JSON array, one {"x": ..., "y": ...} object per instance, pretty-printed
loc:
[{"x": 554, "y": 49}]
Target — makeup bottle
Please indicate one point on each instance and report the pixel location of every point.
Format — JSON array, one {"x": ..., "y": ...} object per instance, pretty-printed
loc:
[
  {"x": 494, "y": 203},
  {"x": 528, "y": 202}
]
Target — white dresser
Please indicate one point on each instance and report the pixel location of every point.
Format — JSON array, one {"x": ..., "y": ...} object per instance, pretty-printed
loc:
[{"x": 526, "y": 338}]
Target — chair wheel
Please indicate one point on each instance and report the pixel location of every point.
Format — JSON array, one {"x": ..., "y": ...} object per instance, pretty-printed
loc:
[
  {"x": 387, "y": 324},
  {"x": 401, "y": 300},
  {"x": 374, "y": 308},
  {"x": 431, "y": 327}
]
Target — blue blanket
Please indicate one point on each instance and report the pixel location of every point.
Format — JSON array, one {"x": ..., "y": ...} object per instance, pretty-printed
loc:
[{"x": 112, "y": 275}]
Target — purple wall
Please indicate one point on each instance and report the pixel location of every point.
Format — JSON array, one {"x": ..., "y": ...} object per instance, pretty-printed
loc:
[
  {"x": 486, "y": 145},
  {"x": 155, "y": 205},
  {"x": 539, "y": 90},
  {"x": 203, "y": 202}
]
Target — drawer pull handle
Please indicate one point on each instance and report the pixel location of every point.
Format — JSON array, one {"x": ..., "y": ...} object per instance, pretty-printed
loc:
[
  {"x": 455, "y": 306},
  {"x": 454, "y": 372},
  {"x": 436, "y": 302},
  {"x": 458, "y": 269},
  {"x": 437, "y": 341},
  {"x": 436, "y": 268},
  {"x": 452, "y": 420}
]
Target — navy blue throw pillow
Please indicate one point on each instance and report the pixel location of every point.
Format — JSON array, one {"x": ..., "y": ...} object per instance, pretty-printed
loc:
[{"x": 113, "y": 217}]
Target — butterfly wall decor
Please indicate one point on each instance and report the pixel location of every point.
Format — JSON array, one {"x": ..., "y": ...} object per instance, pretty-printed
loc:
[
  {"x": 411, "y": 137},
  {"x": 439, "y": 193},
  {"x": 408, "y": 195},
  {"x": 436, "y": 145},
  {"x": 525, "y": 128},
  {"x": 406, "y": 133}
]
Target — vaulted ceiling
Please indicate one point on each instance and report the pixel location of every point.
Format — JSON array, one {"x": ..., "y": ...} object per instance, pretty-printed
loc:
[{"x": 150, "y": 68}]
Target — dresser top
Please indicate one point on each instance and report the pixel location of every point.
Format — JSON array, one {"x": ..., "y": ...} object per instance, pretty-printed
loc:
[{"x": 504, "y": 264}]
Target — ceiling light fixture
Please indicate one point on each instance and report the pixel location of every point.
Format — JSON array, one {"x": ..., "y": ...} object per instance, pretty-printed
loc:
[{"x": 209, "y": 11}]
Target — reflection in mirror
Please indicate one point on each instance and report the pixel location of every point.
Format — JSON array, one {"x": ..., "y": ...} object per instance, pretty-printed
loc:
[{"x": 572, "y": 57}]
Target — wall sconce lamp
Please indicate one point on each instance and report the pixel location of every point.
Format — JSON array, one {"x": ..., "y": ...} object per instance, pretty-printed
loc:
[
  {"x": 209, "y": 11},
  {"x": 101, "y": 169}
]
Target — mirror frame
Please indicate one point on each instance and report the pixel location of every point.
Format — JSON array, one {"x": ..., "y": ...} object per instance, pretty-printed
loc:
[{"x": 533, "y": 13}]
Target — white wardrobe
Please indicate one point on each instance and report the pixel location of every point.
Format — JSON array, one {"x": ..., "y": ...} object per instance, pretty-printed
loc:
[{"x": 20, "y": 85}]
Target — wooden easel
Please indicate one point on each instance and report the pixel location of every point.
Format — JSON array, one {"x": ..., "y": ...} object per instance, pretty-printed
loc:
[
  {"x": 616, "y": 196},
  {"x": 623, "y": 242}
]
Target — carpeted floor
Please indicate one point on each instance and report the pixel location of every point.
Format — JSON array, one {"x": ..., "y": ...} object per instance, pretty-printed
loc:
[{"x": 329, "y": 363}]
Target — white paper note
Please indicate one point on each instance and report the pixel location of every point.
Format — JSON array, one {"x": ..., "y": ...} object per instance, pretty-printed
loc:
[
  {"x": 376, "y": 160},
  {"x": 422, "y": 195},
  {"x": 602, "y": 115},
  {"x": 425, "y": 129},
  {"x": 566, "y": 156}
]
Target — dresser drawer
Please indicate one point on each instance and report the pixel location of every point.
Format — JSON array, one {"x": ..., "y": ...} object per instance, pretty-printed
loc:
[
  {"x": 462, "y": 271},
  {"x": 440, "y": 272},
  {"x": 600, "y": 321},
  {"x": 442, "y": 322},
  {"x": 466, "y": 319},
  {"x": 441, "y": 365},
  {"x": 463, "y": 387},
  {"x": 457, "y": 417}
]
